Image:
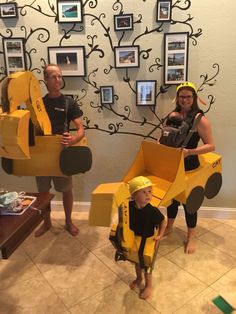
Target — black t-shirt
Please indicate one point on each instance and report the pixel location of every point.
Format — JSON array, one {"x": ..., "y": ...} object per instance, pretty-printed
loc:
[
  {"x": 56, "y": 109},
  {"x": 143, "y": 221}
]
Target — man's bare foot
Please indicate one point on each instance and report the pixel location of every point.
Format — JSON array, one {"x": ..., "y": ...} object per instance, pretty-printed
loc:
[
  {"x": 135, "y": 283},
  {"x": 145, "y": 293},
  {"x": 72, "y": 229},
  {"x": 190, "y": 246},
  {"x": 42, "y": 229}
]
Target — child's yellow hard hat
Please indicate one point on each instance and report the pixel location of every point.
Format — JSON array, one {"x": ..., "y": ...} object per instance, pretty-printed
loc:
[{"x": 139, "y": 183}]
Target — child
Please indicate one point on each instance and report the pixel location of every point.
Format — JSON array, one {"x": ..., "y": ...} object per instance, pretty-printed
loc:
[{"x": 144, "y": 218}]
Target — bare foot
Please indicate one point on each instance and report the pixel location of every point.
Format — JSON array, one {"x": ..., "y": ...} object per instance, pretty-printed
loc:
[
  {"x": 72, "y": 229},
  {"x": 190, "y": 246},
  {"x": 168, "y": 230},
  {"x": 145, "y": 293},
  {"x": 42, "y": 229},
  {"x": 135, "y": 283}
]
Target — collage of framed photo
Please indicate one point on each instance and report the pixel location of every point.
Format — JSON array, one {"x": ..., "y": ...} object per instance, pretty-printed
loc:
[
  {"x": 107, "y": 95},
  {"x": 123, "y": 22},
  {"x": 163, "y": 11},
  {"x": 126, "y": 56},
  {"x": 14, "y": 54},
  {"x": 71, "y": 59},
  {"x": 69, "y": 11},
  {"x": 146, "y": 93},
  {"x": 176, "y": 58},
  {"x": 8, "y": 10}
]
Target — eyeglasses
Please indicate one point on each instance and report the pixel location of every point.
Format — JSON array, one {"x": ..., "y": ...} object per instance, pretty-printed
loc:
[{"x": 186, "y": 97}]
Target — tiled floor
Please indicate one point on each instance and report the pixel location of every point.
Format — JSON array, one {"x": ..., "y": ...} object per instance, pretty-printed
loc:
[{"x": 58, "y": 273}]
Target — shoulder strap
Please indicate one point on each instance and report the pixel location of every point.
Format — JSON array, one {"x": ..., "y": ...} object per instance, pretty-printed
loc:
[
  {"x": 66, "y": 124},
  {"x": 191, "y": 131}
]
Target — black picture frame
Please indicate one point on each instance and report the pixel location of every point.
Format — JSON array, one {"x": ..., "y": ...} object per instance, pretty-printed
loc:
[
  {"x": 69, "y": 11},
  {"x": 107, "y": 95},
  {"x": 126, "y": 56},
  {"x": 146, "y": 92},
  {"x": 123, "y": 22},
  {"x": 71, "y": 59},
  {"x": 176, "y": 58},
  {"x": 8, "y": 10},
  {"x": 164, "y": 11},
  {"x": 14, "y": 54}
]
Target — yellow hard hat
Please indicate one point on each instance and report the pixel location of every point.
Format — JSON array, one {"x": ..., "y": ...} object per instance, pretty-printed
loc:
[
  {"x": 186, "y": 84},
  {"x": 139, "y": 183}
]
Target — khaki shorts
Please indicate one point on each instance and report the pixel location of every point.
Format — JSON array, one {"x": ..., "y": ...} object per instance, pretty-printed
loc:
[{"x": 61, "y": 184}]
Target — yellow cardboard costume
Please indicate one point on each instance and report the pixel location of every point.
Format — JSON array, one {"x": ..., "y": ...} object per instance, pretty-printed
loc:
[
  {"x": 24, "y": 147},
  {"x": 164, "y": 166}
]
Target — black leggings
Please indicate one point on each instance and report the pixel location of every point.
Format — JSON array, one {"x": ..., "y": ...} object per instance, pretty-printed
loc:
[{"x": 191, "y": 219}]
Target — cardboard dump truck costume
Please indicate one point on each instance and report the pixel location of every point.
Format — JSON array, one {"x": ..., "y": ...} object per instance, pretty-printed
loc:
[
  {"x": 164, "y": 166},
  {"x": 27, "y": 145}
]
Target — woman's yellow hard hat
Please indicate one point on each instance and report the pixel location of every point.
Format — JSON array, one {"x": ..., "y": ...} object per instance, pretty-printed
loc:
[
  {"x": 186, "y": 84},
  {"x": 139, "y": 183}
]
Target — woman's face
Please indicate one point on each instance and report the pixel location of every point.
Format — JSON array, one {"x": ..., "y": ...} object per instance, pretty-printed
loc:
[{"x": 185, "y": 99}]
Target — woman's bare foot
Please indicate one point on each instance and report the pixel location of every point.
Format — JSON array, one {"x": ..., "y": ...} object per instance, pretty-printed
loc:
[
  {"x": 190, "y": 246},
  {"x": 72, "y": 229},
  {"x": 42, "y": 229},
  {"x": 145, "y": 293},
  {"x": 135, "y": 283}
]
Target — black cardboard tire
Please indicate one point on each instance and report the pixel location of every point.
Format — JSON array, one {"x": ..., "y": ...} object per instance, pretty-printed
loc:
[
  {"x": 213, "y": 185},
  {"x": 195, "y": 199}
]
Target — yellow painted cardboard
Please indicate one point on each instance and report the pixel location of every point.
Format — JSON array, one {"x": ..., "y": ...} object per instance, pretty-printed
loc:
[
  {"x": 14, "y": 134},
  {"x": 164, "y": 166}
]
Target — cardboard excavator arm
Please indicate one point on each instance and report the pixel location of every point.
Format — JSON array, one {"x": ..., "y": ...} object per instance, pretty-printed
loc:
[
  {"x": 164, "y": 166},
  {"x": 25, "y": 133}
]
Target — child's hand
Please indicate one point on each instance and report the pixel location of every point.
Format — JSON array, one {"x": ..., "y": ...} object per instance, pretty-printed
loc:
[{"x": 157, "y": 238}]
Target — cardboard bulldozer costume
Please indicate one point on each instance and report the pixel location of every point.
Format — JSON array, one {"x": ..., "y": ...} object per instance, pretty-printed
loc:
[
  {"x": 27, "y": 145},
  {"x": 164, "y": 166}
]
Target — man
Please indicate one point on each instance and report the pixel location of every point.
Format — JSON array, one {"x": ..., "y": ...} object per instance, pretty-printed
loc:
[{"x": 55, "y": 105}]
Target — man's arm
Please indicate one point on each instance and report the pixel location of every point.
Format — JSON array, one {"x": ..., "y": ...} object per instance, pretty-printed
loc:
[{"x": 69, "y": 139}]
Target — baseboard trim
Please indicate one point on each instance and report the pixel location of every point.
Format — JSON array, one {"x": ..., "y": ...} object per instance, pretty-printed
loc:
[{"x": 204, "y": 212}]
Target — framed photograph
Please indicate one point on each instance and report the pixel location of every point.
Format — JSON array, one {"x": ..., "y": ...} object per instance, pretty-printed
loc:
[
  {"x": 123, "y": 22},
  {"x": 164, "y": 11},
  {"x": 8, "y": 10},
  {"x": 69, "y": 11},
  {"x": 107, "y": 95},
  {"x": 70, "y": 59},
  {"x": 126, "y": 56},
  {"x": 176, "y": 58},
  {"x": 14, "y": 54},
  {"x": 146, "y": 93}
]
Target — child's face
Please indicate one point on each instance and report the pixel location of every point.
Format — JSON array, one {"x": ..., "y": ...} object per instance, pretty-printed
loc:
[{"x": 143, "y": 197}]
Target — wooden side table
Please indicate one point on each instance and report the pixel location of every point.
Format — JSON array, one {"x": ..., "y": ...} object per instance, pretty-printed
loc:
[{"x": 15, "y": 229}]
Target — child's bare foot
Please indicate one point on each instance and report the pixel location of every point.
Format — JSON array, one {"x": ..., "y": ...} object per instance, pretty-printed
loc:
[
  {"x": 145, "y": 293},
  {"x": 168, "y": 230},
  {"x": 72, "y": 229},
  {"x": 190, "y": 246},
  {"x": 135, "y": 283},
  {"x": 42, "y": 229}
]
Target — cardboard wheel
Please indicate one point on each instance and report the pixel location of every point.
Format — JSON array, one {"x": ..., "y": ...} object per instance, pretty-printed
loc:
[
  {"x": 195, "y": 199},
  {"x": 213, "y": 185}
]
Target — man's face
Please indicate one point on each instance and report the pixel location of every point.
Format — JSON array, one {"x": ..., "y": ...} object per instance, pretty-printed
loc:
[{"x": 54, "y": 78}]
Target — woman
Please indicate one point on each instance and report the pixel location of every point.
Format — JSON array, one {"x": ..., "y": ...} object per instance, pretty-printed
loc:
[{"x": 187, "y": 106}]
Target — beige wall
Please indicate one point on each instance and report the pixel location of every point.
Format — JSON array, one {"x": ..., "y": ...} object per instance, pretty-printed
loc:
[{"x": 112, "y": 154}]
